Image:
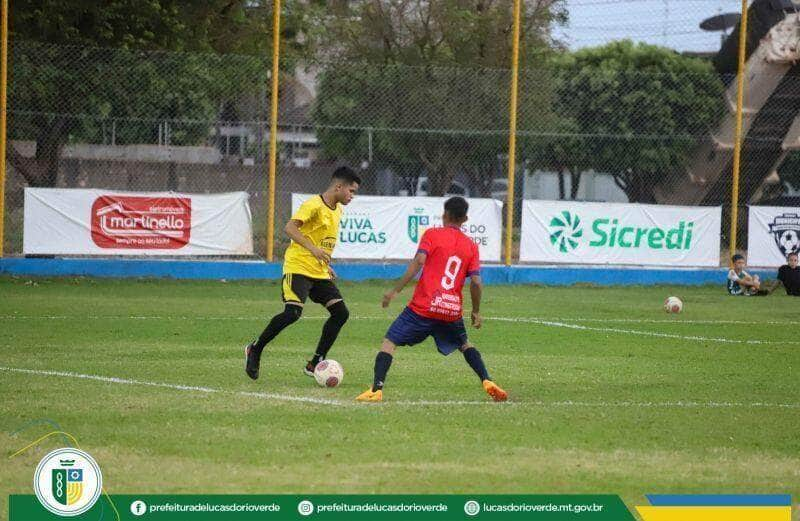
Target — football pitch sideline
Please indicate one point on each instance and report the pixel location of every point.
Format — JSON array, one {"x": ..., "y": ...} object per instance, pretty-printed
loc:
[{"x": 608, "y": 394}]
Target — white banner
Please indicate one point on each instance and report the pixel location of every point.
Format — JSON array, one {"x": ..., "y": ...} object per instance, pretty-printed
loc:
[
  {"x": 773, "y": 232},
  {"x": 375, "y": 227},
  {"x": 610, "y": 233},
  {"x": 110, "y": 222}
]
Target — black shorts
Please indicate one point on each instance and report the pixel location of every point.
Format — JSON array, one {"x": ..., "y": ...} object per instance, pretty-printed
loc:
[{"x": 297, "y": 288}]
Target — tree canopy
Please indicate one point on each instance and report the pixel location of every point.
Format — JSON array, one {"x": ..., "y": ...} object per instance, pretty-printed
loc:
[
  {"x": 77, "y": 63},
  {"x": 427, "y": 83},
  {"x": 636, "y": 111}
]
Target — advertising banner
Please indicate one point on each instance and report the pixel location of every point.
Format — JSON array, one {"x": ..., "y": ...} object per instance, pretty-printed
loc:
[
  {"x": 109, "y": 222},
  {"x": 375, "y": 227},
  {"x": 610, "y": 233},
  {"x": 773, "y": 232}
]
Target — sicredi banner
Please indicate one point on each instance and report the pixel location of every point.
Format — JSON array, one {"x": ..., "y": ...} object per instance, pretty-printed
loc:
[
  {"x": 377, "y": 227},
  {"x": 609, "y": 233},
  {"x": 773, "y": 232},
  {"x": 110, "y": 222}
]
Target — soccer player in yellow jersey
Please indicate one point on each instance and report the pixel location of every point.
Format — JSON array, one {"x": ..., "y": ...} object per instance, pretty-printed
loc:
[{"x": 307, "y": 272}]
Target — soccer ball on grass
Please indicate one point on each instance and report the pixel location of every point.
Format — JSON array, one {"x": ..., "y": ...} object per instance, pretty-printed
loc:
[
  {"x": 673, "y": 305},
  {"x": 329, "y": 373}
]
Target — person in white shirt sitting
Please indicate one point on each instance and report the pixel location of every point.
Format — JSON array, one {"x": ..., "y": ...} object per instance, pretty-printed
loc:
[{"x": 739, "y": 281}]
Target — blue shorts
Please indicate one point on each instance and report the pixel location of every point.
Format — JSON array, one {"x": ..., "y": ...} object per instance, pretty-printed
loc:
[{"x": 409, "y": 329}]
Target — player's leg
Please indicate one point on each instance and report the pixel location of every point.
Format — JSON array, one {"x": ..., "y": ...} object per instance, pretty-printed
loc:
[
  {"x": 473, "y": 357},
  {"x": 326, "y": 293},
  {"x": 452, "y": 336},
  {"x": 294, "y": 291},
  {"x": 408, "y": 329},
  {"x": 383, "y": 361}
]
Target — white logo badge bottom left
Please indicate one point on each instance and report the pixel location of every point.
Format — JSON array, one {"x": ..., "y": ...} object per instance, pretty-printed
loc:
[{"x": 68, "y": 482}]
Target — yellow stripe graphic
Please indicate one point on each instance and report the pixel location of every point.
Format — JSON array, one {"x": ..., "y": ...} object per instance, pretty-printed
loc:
[
  {"x": 74, "y": 492},
  {"x": 650, "y": 513}
]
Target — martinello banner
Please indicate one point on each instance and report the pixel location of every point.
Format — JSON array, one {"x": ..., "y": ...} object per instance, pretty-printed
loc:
[
  {"x": 773, "y": 232},
  {"x": 608, "y": 233},
  {"x": 375, "y": 227},
  {"x": 109, "y": 222}
]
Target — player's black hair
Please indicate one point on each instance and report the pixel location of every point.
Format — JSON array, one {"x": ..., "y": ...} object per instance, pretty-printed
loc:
[
  {"x": 456, "y": 208},
  {"x": 346, "y": 174},
  {"x": 792, "y": 254},
  {"x": 737, "y": 257}
]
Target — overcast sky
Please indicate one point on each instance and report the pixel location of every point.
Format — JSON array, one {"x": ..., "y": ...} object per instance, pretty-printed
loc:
[{"x": 672, "y": 23}]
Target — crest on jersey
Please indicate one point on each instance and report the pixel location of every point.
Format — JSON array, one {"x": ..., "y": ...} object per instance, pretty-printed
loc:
[{"x": 417, "y": 224}]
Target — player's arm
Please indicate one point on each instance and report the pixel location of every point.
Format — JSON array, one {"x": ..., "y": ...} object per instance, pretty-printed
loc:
[
  {"x": 412, "y": 270},
  {"x": 748, "y": 281},
  {"x": 475, "y": 292},
  {"x": 475, "y": 286},
  {"x": 292, "y": 229}
]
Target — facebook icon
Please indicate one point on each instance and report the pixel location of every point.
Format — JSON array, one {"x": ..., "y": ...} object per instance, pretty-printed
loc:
[{"x": 138, "y": 508}]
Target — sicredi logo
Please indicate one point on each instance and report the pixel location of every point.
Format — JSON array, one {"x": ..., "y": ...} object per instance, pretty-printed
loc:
[
  {"x": 134, "y": 222},
  {"x": 566, "y": 234},
  {"x": 565, "y": 231}
]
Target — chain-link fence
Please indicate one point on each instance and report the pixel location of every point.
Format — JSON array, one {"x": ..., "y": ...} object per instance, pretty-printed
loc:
[{"x": 622, "y": 123}]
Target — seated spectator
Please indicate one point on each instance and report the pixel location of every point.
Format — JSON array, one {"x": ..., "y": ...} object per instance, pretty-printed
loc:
[
  {"x": 789, "y": 275},
  {"x": 739, "y": 281}
]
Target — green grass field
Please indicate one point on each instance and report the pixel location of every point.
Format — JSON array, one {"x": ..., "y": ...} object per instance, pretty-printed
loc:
[{"x": 608, "y": 393}]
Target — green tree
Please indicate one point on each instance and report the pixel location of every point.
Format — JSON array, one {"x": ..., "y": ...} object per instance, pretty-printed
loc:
[
  {"x": 76, "y": 62},
  {"x": 427, "y": 83},
  {"x": 639, "y": 110}
]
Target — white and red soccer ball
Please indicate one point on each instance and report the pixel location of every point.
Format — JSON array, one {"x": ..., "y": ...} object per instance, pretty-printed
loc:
[
  {"x": 673, "y": 305},
  {"x": 329, "y": 373}
]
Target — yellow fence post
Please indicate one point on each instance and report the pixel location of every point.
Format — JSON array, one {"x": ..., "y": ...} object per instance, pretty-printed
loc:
[
  {"x": 273, "y": 127},
  {"x": 512, "y": 137},
  {"x": 3, "y": 93},
  {"x": 737, "y": 144}
]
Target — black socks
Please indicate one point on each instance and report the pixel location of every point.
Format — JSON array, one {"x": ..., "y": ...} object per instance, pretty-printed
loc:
[
  {"x": 279, "y": 322},
  {"x": 330, "y": 330},
  {"x": 382, "y": 363},
  {"x": 473, "y": 358}
]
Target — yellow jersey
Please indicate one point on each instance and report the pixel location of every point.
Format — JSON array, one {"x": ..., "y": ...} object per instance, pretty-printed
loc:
[{"x": 321, "y": 226}]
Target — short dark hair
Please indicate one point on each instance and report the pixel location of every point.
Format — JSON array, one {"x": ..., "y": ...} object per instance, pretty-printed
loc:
[
  {"x": 346, "y": 174},
  {"x": 792, "y": 254},
  {"x": 456, "y": 207},
  {"x": 737, "y": 257}
]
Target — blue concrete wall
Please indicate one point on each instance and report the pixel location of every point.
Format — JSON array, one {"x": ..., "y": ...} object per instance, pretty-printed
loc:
[{"x": 237, "y": 270}]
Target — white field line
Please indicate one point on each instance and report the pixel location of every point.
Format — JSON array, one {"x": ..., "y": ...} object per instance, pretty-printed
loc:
[
  {"x": 525, "y": 320},
  {"x": 675, "y": 321},
  {"x": 177, "y": 387},
  {"x": 444, "y": 403},
  {"x": 579, "y": 327}
]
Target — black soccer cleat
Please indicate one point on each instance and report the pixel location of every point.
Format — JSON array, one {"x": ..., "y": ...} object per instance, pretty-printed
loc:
[
  {"x": 308, "y": 370},
  {"x": 251, "y": 361}
]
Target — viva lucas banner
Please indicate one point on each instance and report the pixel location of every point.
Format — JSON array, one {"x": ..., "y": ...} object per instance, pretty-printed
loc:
[
  {"x": 609, "y": 233},
  {"x": 109, "y": 222},
  {"x": 773, "y": 232},
  {"x": 375, "y": 227}
]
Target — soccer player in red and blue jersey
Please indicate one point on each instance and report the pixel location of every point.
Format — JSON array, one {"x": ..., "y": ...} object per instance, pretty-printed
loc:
[{"x": 447, "y": 257}]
